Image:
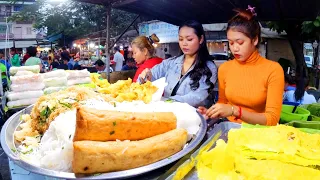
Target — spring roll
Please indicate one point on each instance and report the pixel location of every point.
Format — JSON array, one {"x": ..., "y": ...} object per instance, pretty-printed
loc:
[
  {"x": 105, "y": 125},
  {"x": 99, "y": 157}
]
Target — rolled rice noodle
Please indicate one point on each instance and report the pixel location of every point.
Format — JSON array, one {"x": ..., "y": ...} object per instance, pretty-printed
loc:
[
  {"x": 26, "y": 79},
  {"x": 33, "y": 86},
  {"x": 78, "y": 73},
  {"x": 50, "y": 90},
  {"x": 35, "y": 69},
  {"x": 21, "y": 102},
  {"x": 23, "y": 73},
  {"x": 13, "y": 96},
  {"x": 82, "y": 80},
  {"x": 55, "y": 74},
  {"x": 56, "y": 82}
]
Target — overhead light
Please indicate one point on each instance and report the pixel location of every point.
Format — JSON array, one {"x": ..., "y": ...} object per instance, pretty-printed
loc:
[
  {"x": 74, "y": 45},
  {"x": 91, "y": 45}
]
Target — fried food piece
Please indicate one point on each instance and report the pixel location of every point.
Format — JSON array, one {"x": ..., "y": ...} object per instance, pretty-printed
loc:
[
  {"x": 105, "y": 125},
  {"x": 98, "y": 157}
]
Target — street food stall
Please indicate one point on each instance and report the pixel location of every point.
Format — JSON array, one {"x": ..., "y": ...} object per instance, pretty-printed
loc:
[{"x": 103, "y": 130}]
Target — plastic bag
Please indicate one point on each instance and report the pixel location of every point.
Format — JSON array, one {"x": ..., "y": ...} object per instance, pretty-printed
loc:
[
  {"x": 35, "y": 69},
  {"x": 34, "y": 86},
  {"x": 26, "y": 79},
  {"x": 55, "y": 74}
]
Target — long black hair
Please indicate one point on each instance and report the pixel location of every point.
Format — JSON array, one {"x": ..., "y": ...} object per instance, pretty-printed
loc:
[
  {"x": 202, "y": 56},
  {"x": 302, "y": 82}
]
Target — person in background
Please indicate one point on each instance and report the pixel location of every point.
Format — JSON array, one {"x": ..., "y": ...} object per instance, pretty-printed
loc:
[
  {"x": 143, "y": 53},
  {"x": 130, "y": 65},
  {"x": 190, "y": 76},
  {"x": 25, "y": 57},
  {"x": 4, "y": 61},
  {"x": 118, "y": 59},
  {"x": 289, "y": 83},
  {"x": 250, "y": 86},
  {"x": 54, "y": 65},
  {"x": 299, "y": 95},
  {"x": 64, "y": 55},
  {"x": 50, "y": 56},
  {"x": 33, "y": 60},
  {"x": 15, "y": 60},
  {"x": 71, "y": 63},
  {"x": 64, "y": 65},
  {"x": 101, "y": 66}
]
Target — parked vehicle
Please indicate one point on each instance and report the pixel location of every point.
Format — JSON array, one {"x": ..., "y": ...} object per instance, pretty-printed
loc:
[{"x": 308, "y": 60}]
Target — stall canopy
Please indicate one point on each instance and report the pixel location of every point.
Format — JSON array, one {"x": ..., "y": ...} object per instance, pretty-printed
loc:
[{"x": 215, "y": 11}]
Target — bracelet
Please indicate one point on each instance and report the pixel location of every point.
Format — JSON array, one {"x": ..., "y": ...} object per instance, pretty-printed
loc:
[
  {"x": 232, "y": 108},
  {"x": 240, "y": 113}
]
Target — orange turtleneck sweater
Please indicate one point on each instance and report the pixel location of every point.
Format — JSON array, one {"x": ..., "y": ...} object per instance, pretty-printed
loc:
[{"x": 255, "y": 85}]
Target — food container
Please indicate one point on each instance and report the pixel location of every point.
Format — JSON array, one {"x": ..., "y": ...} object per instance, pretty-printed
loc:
[
  {"x": 287, "y": 115},
  {"x": 8, "y": 143}
]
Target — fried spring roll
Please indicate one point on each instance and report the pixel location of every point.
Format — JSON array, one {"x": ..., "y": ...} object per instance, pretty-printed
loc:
[
  {"x": 105, "y": 125},
  {"x": 98, "y": 157}
]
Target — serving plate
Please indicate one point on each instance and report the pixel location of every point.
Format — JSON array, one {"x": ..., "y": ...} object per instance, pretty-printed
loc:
[{"x": 8, "y": 143}]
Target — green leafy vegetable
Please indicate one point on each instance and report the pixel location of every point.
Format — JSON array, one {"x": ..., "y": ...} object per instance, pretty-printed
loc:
[{"x": 112, "y": 132}]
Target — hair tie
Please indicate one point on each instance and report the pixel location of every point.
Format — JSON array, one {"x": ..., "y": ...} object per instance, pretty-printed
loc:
[
  {"x": 252, "y": 10},
  {"x": 150, "y": 40}
]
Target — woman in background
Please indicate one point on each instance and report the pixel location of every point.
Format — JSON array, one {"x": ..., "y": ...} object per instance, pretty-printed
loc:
[{"x": 144, "y": 53}]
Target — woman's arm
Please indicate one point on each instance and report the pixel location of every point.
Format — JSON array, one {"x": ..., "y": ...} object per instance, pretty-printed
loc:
[
  {"x": 273, "y": 104},
  {"x": 158, "y": 71}
]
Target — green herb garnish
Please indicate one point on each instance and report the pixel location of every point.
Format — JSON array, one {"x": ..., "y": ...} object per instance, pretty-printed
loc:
[
  {"x": 169, "y": 101},
  {"x": 98, "y": 174},
  {"x": 69, "y": 136},
  {"x": 66, "y": 105},
  {"x": 28, "y": 152},
  {"x": 13, "y": 150},
  {"x": 112, "y": 132},
  {"x": 62, "y": 147},
  {"x": 114, "y": 105},
  {"x": 114, "y": 123}
]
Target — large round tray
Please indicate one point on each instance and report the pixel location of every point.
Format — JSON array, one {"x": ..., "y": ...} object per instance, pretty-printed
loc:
[{"x": 7, "y": 142}]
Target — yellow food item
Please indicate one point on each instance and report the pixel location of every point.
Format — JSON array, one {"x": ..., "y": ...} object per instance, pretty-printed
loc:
[
  {"x": 279, "y": 152},
  {"x": 105, "y": 125},
  {"x": 125, "y": 90},
  {"x": 97, "y": 157},
  {"x": 97, "y": 80}
]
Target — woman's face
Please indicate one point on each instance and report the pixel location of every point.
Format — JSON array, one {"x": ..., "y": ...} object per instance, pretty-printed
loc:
[
  {"x": 138, "y": 55},
  {"x": 240, "y": 45},
  {"x": 189, "y": 42}
]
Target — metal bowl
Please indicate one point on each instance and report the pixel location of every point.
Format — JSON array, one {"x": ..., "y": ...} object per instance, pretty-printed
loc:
[{"x": 8, "y": 143}]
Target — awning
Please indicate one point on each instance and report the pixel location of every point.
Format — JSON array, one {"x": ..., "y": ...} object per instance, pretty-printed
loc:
[{"x": 216, "y": 11}]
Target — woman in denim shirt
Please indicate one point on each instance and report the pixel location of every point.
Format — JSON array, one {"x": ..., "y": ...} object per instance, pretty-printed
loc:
[{"x": 191, "y": 76}]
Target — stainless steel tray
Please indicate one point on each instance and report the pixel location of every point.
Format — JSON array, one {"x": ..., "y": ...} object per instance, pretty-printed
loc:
[
  {"x": 220, "y": 131},
  {"x": 7, "y": 142}
]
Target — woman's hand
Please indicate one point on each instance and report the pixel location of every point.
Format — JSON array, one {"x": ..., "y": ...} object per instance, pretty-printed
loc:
[
  {"x": 219, "y": 111},
  {"x": 145, "y": 76},
  {"x": 202, "y": 110}
]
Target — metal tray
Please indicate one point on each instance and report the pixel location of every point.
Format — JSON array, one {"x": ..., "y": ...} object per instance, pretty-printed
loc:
[
  {"x": 7, "y": 142},
  {"x": 220, "y": 131}
]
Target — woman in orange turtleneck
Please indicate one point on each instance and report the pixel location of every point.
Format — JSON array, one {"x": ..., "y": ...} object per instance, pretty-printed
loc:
[{"x": 250, "y": 86}]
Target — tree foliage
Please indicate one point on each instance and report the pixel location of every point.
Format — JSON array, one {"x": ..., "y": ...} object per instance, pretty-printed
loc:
[{"x": 74, "y": 19}]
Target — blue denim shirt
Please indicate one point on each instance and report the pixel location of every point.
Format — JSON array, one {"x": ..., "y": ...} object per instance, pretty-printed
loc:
[{"x": 171, "y": 70}]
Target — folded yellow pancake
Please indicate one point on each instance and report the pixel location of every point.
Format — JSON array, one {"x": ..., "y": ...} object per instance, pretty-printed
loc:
[
  {"x": 98, "y": 157},
  {"x": 105, "y": 125}
]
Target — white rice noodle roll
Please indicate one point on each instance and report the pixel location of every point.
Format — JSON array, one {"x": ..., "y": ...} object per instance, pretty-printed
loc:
[
  {"x": 23, "y": 73},
  {"x": 78, "y": 73},
  {"x": 55, "y": 74},
  {"x": 26, "y": 79},
  {"x": 33, "y": 86},
  {"x": 13, "y": 96},
  {"x": 56, "y": 82},
  {"x": 50, "y": 90},
  {"x": 83, "y": 80},
  {"x": 35, "y": 69},
  {"x": 21, "y": 102}
]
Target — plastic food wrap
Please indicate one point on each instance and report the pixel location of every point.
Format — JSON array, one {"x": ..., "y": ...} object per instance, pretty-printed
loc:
[
  {"x": 22, "y": 102},
  {"x": 50, "y": 90},
  {"x": 13, "y": 96},
  {"x": 78, "y": 73},
  {"x": 26, "y": 79},
  {"x": 55, "y": 74},
  {"x": 82, "y": 80},
  {"x": 55, "y": 82},
  {"x": 35, "y": 69},
  {"x": 34, "y": 86}
]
